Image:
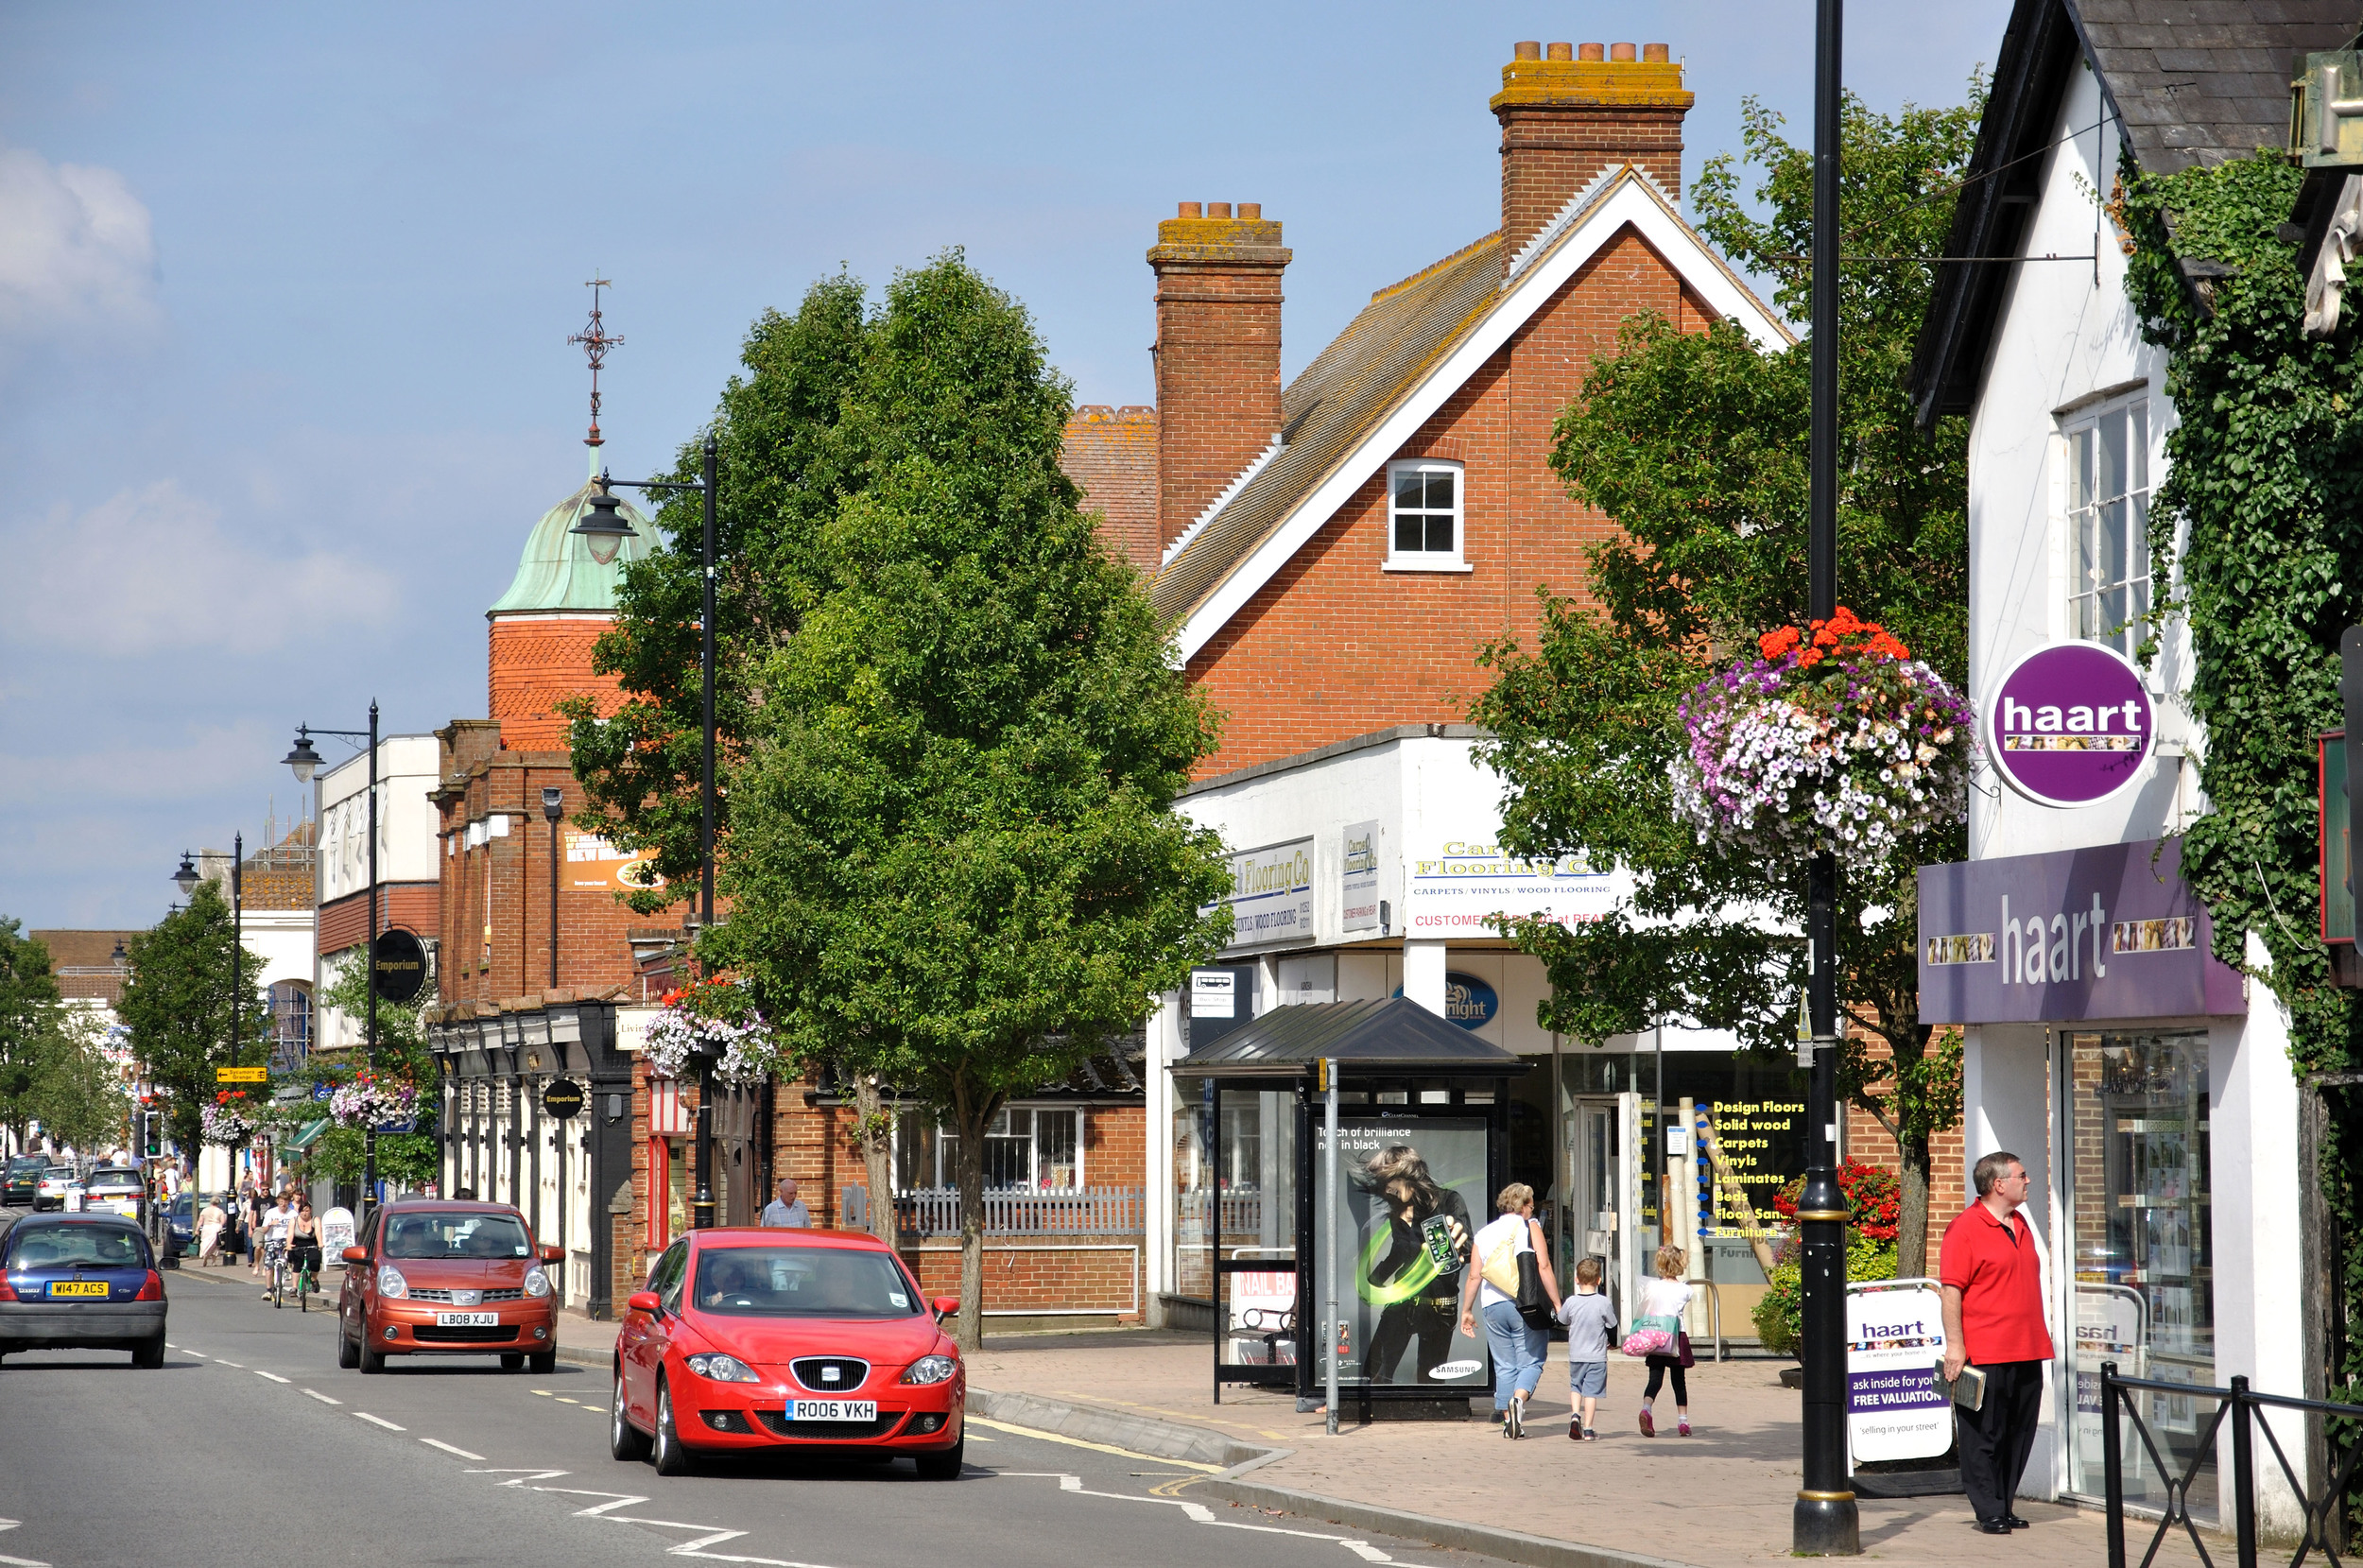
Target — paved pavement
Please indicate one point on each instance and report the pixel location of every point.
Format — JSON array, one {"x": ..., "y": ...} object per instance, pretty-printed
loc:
[{"x": 251, "y": 1445}]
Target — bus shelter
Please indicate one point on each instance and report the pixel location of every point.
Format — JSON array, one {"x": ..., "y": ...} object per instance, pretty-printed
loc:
[{"x": 1422, "y": 1147}]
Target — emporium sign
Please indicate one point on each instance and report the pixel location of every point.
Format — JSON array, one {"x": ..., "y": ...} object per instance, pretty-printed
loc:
[
  {"x": 2069, "y": 725},
  {"x": 1455, "y": 888},
  {"x": 1271, "y": 895}
]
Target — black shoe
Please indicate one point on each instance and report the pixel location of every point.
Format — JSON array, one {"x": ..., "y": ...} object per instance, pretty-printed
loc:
[
  {"x": 1994, "y": 1526},
  {"x": 2016, "y": 1523}
]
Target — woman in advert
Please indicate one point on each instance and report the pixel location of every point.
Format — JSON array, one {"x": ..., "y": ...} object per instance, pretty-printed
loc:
[{"x": 1412, "y": 1261}]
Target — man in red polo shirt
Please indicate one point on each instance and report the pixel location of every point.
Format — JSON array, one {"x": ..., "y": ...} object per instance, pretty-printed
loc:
[{"x": 1993, "y": 1320}]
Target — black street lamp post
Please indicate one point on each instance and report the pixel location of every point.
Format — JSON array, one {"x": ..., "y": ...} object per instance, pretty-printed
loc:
[
  {"x": 305, "y": 762},
  {"x": 186, "y": 879},
  {"x": 603, "y": 527},
  {"x": 553, "y": 808},
  {"x": 1826, "y": 1523}
]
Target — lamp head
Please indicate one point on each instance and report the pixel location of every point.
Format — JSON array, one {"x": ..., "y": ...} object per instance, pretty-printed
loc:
[
  {"x": 186, "y": 877},
  {"x": 553, "y": 802},
  {"x": 603, "y": 527},
  {"x": 304, "y": 760}
]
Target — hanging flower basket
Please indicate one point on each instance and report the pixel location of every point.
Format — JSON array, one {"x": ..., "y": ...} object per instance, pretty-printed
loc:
[
  {"x": 226, "y": 1119},
  {"x": 370, "y": 1101},
  {"x": 1837, "y": 741},
  {"x": 715, "y": 1018}
]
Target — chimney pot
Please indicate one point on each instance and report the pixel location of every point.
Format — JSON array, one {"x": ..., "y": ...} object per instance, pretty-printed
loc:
[
  {"x": 1561, "y": 51},
  {"x": 1218, "y": 352},
  {"x": 1621, "y": 52},
  {"x": 1218, "y": 209},
  {"x": 1656, "y": 54},
  {"x": 1561, "y": 125},
  {"x": 1251, "y": 210},
  {"x": 1189, "y": 209},
  {"x": 1526, "y": 51},
  {"x": 1591, "y": 51}
]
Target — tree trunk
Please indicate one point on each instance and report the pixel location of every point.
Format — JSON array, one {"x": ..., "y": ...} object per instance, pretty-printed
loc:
[
  {"x": 970, "y": 1116},
  {"x": 1911, "y": 1219},
  {"x": 876, "y": 1135}
]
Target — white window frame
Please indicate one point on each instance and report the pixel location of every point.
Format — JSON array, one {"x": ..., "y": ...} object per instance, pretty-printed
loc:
[
  {"x": 2078, "y": 435},
  {"x": 1453, "y": 560},
  {"x": 940, "y": 1155}
]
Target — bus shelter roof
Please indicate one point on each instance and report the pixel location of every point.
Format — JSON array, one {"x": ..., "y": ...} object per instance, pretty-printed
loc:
[{"x": 1391, "y": 1037}]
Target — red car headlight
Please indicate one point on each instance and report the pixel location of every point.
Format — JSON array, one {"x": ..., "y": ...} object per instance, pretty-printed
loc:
[{"x": 930, "y": 1368}]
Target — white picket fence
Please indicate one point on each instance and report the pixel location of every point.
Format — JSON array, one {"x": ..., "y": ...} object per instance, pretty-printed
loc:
[{"x": 1023, "y": 1212}]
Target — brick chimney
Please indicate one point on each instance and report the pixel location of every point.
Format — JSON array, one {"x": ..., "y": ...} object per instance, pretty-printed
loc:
[
  {"x": 1218, "y": 352},
  {"x": 1570, "y": 111}
]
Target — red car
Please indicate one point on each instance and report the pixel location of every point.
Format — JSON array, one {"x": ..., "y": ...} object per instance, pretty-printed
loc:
[
  {"x": 771, "y": 1339},
  {"x": 439, "y": 1279}
]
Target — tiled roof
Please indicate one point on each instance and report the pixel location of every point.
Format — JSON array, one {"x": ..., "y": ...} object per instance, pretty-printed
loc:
[
  {"x": 1111, "y": 454},
  {"x": 2201, "y": 81},
  {"x": 1380, "y": 356}
]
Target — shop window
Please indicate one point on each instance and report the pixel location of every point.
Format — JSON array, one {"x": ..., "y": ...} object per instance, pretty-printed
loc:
[
  {"x": 1025, "y": 1149},
  {"x": 2107, "y": 526},
  {"x": 2139, "y": 1185},
  {"x": 1424, "y": 517}
]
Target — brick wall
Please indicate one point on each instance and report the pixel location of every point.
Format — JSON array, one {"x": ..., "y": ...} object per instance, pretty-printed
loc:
[
  {"x": 537, "y": 660},
  {"x": 1564, "y": 119},
  {"x": 415, "y": 906},
  {"x": 1333, "y": 646},
  {"x": 1111, "y": 454},
  {"x": 1218, "y": 353},
  {"x": 1868, "y": 1142}
]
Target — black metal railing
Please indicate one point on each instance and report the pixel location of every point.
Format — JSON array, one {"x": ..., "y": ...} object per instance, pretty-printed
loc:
[{"x": 2324, "y": 1501}]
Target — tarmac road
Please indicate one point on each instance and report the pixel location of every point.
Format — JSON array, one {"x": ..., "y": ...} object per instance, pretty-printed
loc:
[{"x": 251, "y": 1446}]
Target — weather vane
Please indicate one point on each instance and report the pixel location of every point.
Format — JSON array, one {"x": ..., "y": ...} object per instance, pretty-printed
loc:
[{"x": 596, "y": 342}]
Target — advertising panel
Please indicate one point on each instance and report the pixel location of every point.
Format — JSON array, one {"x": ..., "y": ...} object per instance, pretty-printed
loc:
[
  {"x": 1894, "y": 1343},
  {"x": 1271, "y": 896},
  {"x": 1357, "y": 884},
  {"x": 2069, "y": 725},
  {"x": 1411, "y": 1194},
  {"x": 593, "y": 863},
  {"x": 1453, "y": 885}
]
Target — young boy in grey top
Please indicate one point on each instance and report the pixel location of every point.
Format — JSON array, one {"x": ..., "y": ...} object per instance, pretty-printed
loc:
[{"x": 1591, "y": 1324}]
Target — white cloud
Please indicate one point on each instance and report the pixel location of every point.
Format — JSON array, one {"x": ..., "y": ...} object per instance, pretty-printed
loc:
[
  {"x": 153, "y": 569},
  {"x": 78, "y": 251}
]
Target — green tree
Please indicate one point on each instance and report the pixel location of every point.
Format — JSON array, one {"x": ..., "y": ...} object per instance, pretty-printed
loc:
[
  {"x": 79, "y": 1094},
  {"x": 29, "y": 1002},
  {"x": 178, "y": 1005},
  {"x": 1697, "y": 444},
  {"x": 954, "y": 862},
  {"x": 402, "y": 1052}
]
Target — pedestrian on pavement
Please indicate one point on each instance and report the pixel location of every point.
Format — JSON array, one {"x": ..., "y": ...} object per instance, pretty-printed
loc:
[
  {"x": 1591, "y": 1319},
  {"x": 210, "y": 1222},
  {"x": 1991, "y": 1268},
  {"x": 1493, "y": 1287},
  {"x": 249, "y": 1226},
  {"x": 1667, "y": 1297},
  {"x": 787, "y": 1209}
]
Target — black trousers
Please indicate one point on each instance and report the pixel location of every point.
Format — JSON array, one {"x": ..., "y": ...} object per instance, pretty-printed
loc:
[{"x": 1996, "y": 1437}]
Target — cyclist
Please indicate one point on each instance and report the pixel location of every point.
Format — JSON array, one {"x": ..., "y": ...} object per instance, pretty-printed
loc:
[
  {"x": 277, "y": 1220},
  {"x": 304, "y": 1249}
]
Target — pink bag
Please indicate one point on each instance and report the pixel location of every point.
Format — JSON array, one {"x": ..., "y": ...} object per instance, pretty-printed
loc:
[{"x": 1640, "y": 1342}]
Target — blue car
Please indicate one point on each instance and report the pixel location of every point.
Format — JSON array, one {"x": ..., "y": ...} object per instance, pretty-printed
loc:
[{"x": 81, "y": 1281}]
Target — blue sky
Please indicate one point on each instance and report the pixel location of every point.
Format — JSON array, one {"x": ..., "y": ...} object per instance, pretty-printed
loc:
[{"x": 284, "y": 294}]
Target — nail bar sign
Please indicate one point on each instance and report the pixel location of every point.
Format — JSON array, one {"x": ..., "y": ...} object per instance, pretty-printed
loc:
[{"x": 2070, "y": 724}]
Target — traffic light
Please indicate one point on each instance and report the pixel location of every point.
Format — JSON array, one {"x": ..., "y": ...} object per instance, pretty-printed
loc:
[{"x": 151, "y": 1132}]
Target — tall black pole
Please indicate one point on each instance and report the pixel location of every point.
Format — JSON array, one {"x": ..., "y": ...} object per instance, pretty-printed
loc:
[
  {"x": 369, "y": 966},
  {"x": 237, "y": 962},
  {"x": 702, "y": 1214},
  {"x": 553, "y": 898},
  {"x": 1825, "y": 1522}
]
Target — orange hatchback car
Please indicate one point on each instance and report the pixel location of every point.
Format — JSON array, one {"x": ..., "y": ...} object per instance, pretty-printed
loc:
[{"x": 432, "y": 1278}]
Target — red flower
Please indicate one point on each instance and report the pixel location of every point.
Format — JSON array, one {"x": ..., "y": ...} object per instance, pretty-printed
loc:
[{"x": 1774, "y": 643}]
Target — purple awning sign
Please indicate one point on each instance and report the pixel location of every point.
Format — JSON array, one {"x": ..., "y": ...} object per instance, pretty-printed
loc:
[{"x": 2070, "y": 724}]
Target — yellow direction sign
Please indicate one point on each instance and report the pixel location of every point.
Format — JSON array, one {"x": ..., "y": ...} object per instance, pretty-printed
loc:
[{"x": 241, "y": 1074}]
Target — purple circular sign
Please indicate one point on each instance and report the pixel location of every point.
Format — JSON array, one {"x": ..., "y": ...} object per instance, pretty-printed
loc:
[{"x": 2070, "y": 724}]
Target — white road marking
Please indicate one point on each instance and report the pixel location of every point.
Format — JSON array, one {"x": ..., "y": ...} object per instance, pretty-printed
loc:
[
  {"x": 543, "y": 1392},
  {"x": 1097, "y": 1448},
  {"x": 273, "y": 1376},
  {"x": 711, "y": 1534},
  {"x": 322, "y": 1398},
  {"x": 240, "y": 1365},
  {"x": 200, "y": 1354},
  {"x": 378, "y": 1421},
  {"x": 1200, "y": 1513},
  {"x": 18, "y": 1562},
  {"x": 448, "y": 1449}
]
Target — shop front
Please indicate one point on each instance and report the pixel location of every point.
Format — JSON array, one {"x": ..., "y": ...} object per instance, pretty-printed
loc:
[{"x": 2108, "y": 1048}]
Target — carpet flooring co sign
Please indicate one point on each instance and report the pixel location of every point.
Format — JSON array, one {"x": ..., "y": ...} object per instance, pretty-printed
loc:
[
  {"x": 1271, "y": 896},
  {"x": 1453, "y": 890}
]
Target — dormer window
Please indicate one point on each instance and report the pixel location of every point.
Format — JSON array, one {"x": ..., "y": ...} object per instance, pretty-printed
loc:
[{"x": 1423, "y": 518}]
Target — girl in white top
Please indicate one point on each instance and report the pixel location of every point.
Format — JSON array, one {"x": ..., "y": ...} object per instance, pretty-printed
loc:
[{"x": 1666, "y": 1297}]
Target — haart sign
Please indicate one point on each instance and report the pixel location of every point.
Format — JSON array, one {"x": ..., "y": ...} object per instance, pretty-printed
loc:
[{"x": 2070, "y": 724}]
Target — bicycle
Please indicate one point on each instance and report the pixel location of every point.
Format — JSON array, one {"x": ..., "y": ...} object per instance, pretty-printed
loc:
[
  {"x": 275, "y": 1268},
  {"x": 307, "y": 1282}
]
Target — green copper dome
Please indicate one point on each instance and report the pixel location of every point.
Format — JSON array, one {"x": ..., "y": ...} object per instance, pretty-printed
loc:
[{"x": 557, "y": 571}]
